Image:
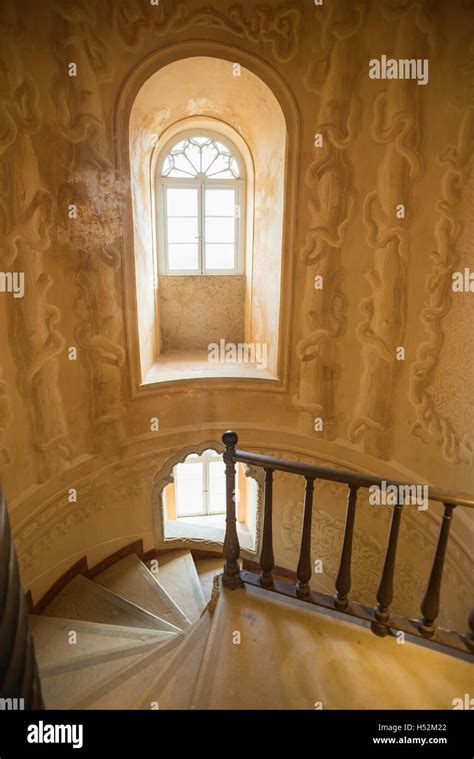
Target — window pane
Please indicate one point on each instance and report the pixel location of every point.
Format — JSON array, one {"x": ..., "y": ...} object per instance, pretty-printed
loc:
[
  {"x": 219, "y": 256},
  {"x": 189, "y": 481},
  {"x": 209, "y": 153},
  {"x": 182, "y": 163},
  {"x": 216, "y": 495},
  {"x": 181, "y": 257},
  {"x": 220, "y": 229},
  {"x": 220, "y": 202},
  {"x": 182, "y": 202},
  {"x": 193, "y": 154},
  {"x": 182, "y": 230},
  {"x": 221, "y": 163}
]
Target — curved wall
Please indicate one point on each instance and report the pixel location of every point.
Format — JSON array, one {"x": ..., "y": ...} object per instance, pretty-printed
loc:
[{"x": 79, "y": 423}]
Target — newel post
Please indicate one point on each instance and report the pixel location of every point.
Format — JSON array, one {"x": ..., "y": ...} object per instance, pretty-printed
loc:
[{"x": 231, "y": 578}]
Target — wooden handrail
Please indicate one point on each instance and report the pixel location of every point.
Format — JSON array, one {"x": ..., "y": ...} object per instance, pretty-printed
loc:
[
  {"x": 344, "y": 476},
  {"x": 19, "y": 680},
  {"x": 381, "y": 619}
]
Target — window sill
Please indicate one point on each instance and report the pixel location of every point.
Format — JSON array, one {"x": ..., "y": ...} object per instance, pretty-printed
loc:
[
  {"x": 173, "y": 367},
  {"x": 209, "y": 528}
]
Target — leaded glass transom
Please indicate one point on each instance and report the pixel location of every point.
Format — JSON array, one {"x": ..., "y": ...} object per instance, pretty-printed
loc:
[{"x": 200, "y": 156}]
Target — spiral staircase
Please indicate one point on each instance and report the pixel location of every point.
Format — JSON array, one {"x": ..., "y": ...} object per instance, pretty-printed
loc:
[{"x": 175, "y": 638}]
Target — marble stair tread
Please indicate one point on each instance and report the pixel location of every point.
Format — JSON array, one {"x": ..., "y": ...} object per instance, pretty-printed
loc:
[
  {"x": 87, "y": 600},
  {"x": 132, "y": 580},
  {"x": 178, "y": 576},
  {"x": 174, "y": 685},
  {"x": 124, "y": 691},
  {"x": 207, "y": 569},
  {"x": 292, "y": 657},
  {"x": 94, "y": 642},
  {"x": 64, "y": 690}
]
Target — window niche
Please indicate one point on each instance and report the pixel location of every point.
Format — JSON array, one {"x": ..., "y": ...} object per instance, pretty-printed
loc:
[
  {"x": 189, "y": 500},
  {"x": 175, "y": 317}
]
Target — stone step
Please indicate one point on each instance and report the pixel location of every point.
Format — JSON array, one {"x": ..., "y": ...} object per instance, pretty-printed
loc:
[
  {"x": 89, "y": 601},
  {"x": 164, "y": 683},
  {"x": 95, "y": 642},
  {"x": 125, "y": 689},
  {"x": 178, "y": 576},
  {"x": 66, "y": 689},
  {"x": 207, "y": 569},
  {"x": 132, "y": 580},
  {"x": 173, "y": 687}
]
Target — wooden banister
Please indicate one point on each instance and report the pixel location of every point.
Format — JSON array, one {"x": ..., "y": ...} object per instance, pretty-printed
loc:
[
  {"x": 19, "y": 681},
  {"x": 267, "y": 560},
  {"x": 430, "y": 603},
  {"x": 304, "y": 564},
  {"x": 343, "y": 579},
  {"x": 231, "y": 577},
  {"x": 380, "y": 625},
  {"x": 381, "y": 619}
]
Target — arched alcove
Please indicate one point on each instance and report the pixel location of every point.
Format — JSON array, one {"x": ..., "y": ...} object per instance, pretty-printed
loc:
[
  {"x": 204, "y": 91},
  {"x": 170, "y": 527}
]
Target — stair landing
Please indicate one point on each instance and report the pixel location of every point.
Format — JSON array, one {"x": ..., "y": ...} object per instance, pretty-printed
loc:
[{"x": 291, "y": 657}]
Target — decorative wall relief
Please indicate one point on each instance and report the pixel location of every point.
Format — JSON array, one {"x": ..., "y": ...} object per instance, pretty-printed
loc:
[
  {"x": 457, "y": 183},
  {"x": 330, "y": 178},
  {"x": 275, "y": 28},
  {"x": 130, "y": 21},
  {"x": 43, "y": 529},
  {"x": 94, "y": 189},
  {"x": 395, "y": 125},
  {"x": 6, "y": 418},
  {"x": 25, "y": 220}
]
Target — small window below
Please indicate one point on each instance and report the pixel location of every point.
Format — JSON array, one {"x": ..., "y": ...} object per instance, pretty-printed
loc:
[
  {"x": 200, "y": 485},
  {"x": 194, "y": 500}
]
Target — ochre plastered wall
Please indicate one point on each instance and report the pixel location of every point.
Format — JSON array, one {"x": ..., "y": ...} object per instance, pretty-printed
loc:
[{"x": 75, "y": 424}]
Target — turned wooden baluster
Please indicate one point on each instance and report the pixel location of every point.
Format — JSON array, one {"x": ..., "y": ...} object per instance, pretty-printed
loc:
[
  {"x": 267, "y": 560},
  {"x": 385, "y": 590},
  {"x": 430, "y": 603},
  {"x": 304, "y": 564},
  {"x": 470, "y": 632},
  {"x": 231, "y": 577},
  {"x": 343, "y": 580}
]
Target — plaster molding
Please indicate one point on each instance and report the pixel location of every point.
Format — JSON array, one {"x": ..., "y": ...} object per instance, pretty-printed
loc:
[
  {"x": 430, "y": 423},
  {"x": 331, "y": 206},
  {"x": 6, "y": 418},
  {"x": 272, "y": 27},
  {"x": 92, "y": 185},
  {"x": 396, "y": 125},
  {"x": 27, "y": 209}
]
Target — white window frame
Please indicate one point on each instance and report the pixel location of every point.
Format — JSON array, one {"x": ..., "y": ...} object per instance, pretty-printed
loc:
[
  {"x": 204, "y": 460},
  {"x": 201, "y": 183}
]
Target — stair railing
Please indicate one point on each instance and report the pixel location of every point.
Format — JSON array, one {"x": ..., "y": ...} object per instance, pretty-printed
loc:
[
  {"x": 381, "y": 619},
  {"x": 19, "y": 681}
]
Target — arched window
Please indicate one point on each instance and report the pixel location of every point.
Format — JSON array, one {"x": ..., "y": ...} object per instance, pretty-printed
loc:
[
  {"x": 213, "y": 168},
  {"x": 200, "y": 192}
]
